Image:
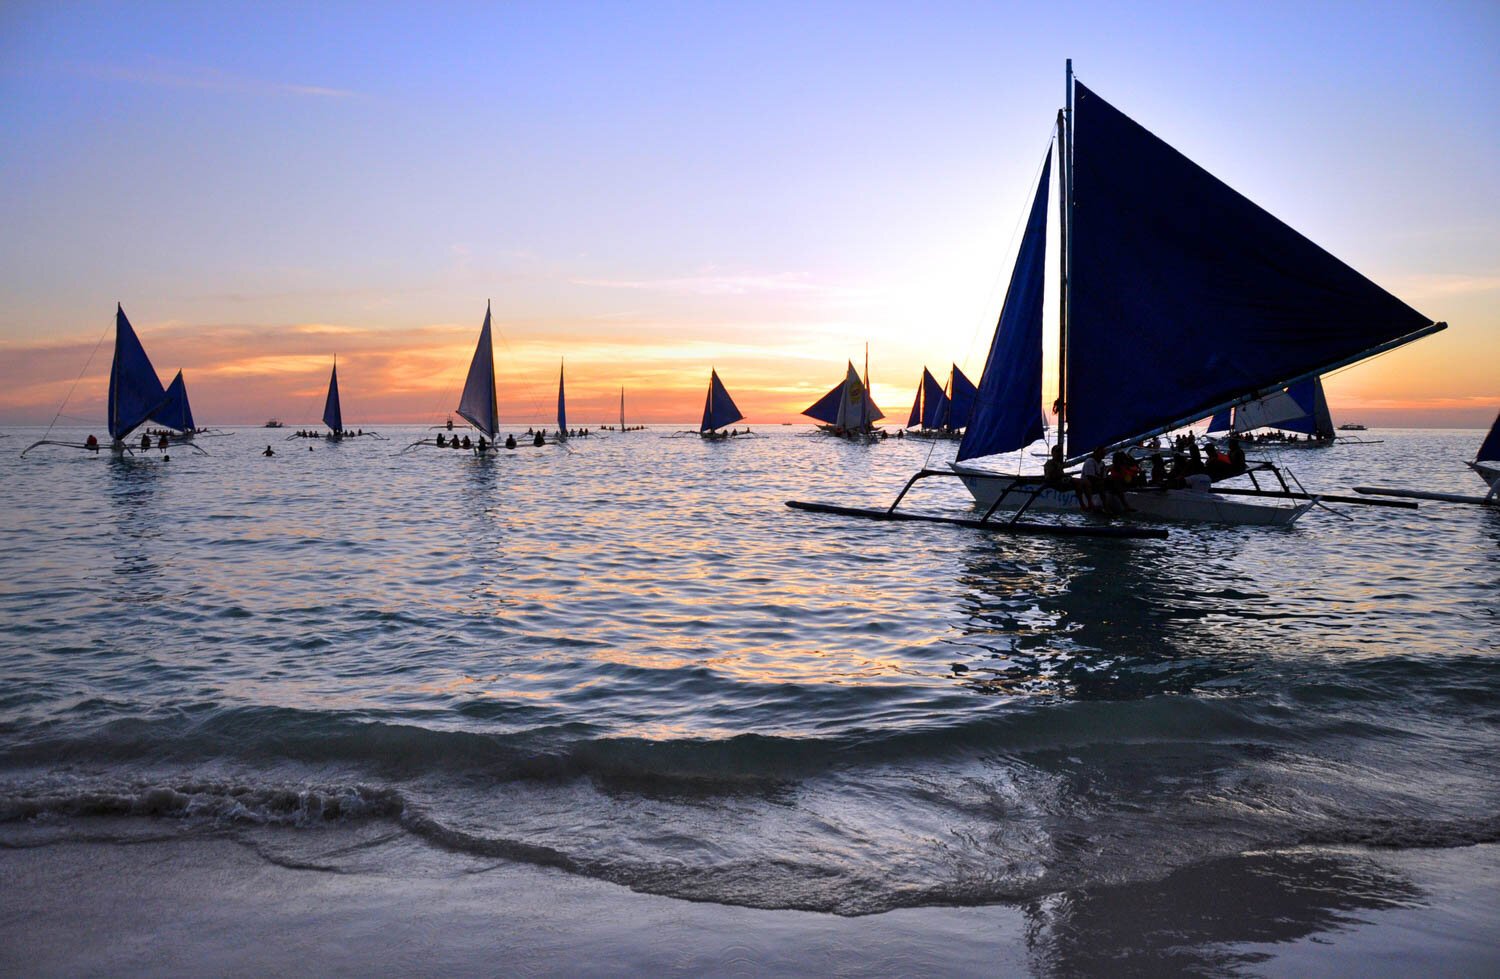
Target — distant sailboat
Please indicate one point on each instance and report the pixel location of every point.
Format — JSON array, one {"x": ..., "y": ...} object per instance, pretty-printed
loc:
[
  {"x": 942, "y": 411},
  {"x": 719, "y": 410},
  {"x": 478, "y": 405},
  {"x": 847, "y": 411},
  {"x": 1301, "y": 408},
  {"x": 333, "y": 416},
  {"x": 1487, "y": 460},
  {"x": 562, "y": 407},
  {"x": 929, "y": 406},
  {"x": 135, "y": 394}
]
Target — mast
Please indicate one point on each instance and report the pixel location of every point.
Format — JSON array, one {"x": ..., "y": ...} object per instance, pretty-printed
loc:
[{"x": 1065, "y": 215}]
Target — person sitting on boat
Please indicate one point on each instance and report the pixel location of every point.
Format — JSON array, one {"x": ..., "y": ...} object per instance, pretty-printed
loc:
[
  {"x": 1124, "y": 471},
  {"x": 269, "y": 451},
  {"x": 483, "y": 446},
  {"x": 161, "y": 443},
  {"x": 1158, "y": 469},
  {"x": 1236, "y": 457},
  {"x": 441, "y": 442},
  {"x": 510, "y": 441},
  {"x": 91, "y": 443},
  {"x": 467, "y": 443},
  {"x": 537, "y": 439},
  {"x": 1091, "y": 480},
  {"x": 145, "y": 441}
]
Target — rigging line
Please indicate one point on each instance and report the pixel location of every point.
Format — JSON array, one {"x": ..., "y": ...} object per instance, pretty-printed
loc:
[
  {"x": 69, "y": 395},
  {"x": 536, "y": 405}
]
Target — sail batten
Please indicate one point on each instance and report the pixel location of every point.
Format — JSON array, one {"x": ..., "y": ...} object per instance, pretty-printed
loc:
[
  {"x": 478, "y": 404},
  {"x": 1007, "y": 412},
  {"x": 1177, "y": 278},
  {"x": 135, "y": 392},
  {"x": 333, "y": 412}
]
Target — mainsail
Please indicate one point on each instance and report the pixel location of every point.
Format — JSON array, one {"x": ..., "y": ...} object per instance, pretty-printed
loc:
[
  {"x": 931, "y": 405},
  {"x": 174, "y": 411},
  {"x": 962, "y": 395},
  {"x": 1220, "y": 422},
  {"x": 135, "y": 392},
  {"x": 1008, "y": 406},
  {"x": 719, "y": 409},
  {"x": 1299, "y": 408},
  {"x": 478, "y": 405},
  {"x": 562, "y": 406},
  {"x": 333, "y": 413},
  {"x": 1490, "y": 450},
  {"x": 1177, "y": 280}
]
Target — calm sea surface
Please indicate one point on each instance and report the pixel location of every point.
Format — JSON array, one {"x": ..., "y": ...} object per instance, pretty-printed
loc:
[{"x": 629, "y": 660}]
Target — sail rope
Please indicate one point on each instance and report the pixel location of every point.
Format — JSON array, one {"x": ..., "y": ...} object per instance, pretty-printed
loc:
[{"x": 69, "y": 395}]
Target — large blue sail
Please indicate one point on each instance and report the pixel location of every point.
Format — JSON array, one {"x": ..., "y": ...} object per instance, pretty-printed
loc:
[
  {"x": 477, "y": 405},
  {"x": 1490, "y": 450},
  {"x": 1185, "y": 296},
  {"x": 826, "y": 408},
  {"x": 961, "y": 401},
  {"x": 934, "y": 401},
  {"x": 1219, "y": 422},
  {"x": 134, "y": 389},
  {"x": 333, "y": 412},
  {"x": 718, "y": 408},
  {"x": 174, "y": 411},
  {"x": 562, "y": 405},
  {"x": 1007, "y": 411},
  {"x": 1308, "y": 393}
]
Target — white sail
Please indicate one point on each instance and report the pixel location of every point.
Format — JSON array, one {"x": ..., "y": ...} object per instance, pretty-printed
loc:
[{"x": 478, "y": 405}]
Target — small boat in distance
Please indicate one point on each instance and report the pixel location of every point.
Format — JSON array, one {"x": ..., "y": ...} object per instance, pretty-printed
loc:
[
  {"x": 273, "y": 423},
  {"x": 478, "y": 404},
  {"x": 1352, "y": 427},
  {"x": 719, "y": 410},
  {"x": 333, "y": 416}
]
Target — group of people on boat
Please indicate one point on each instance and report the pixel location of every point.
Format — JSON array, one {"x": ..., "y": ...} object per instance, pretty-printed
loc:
[
  {"x": 1275, "y": 436},
  {"x": 1101, "y": 485},
  {"x": 724, "y": 435},
  {"x": 313, "y": 433}
]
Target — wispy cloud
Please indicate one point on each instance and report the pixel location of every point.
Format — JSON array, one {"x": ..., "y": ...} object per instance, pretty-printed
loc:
[
  {"x": 204, "y": 79},
  {"x": 1447, "y": 284},
  {"x": 713, "y": 283}
]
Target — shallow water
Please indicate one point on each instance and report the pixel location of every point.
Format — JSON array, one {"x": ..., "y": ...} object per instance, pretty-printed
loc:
[{"x": 629, "y": 660}]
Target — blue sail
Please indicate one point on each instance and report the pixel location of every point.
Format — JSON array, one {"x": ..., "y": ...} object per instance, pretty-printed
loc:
[
  {"x": 961, "y": 400},
  {"x": 1490, "y": 450},
  {"x": 174, "y": 411},
  {"x": 1219, "y": 422},
  {"x": 1007, "y": 411},
  {"x": 562, "y": 406},
  {"x": 934, "y": 401},
  {"x": 718, "y": 408},
  {"x": 134, "y": 389},
  {"x": 477, "y": 406},
  {"x": 1308, "y": 394},
  {"x": 848, "y": 405},
  {"x": 915, "y": 418},
  {"x": 826, "y": 408},
  {"x": 333, "y": 412},
  {"x": 1185, "y": 296}
]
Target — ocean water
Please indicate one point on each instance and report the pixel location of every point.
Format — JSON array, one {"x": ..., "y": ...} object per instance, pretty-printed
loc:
[{"x": 628, "y": 660}]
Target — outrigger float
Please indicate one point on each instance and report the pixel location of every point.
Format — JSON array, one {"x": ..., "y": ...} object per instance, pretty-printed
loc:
[
  {"x": 135, "y": 398},
  {"x": 1486, "y": 465},
  {"x": 1154, "y": 253}
]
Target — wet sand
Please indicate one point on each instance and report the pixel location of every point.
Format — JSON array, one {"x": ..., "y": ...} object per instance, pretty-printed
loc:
[{"x": 238, "y": 905}]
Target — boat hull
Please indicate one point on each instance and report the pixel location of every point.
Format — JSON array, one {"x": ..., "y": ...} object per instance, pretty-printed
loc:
[
  {"x": 1155, "y": 504},
  {"x": 1489, "y": 472}
]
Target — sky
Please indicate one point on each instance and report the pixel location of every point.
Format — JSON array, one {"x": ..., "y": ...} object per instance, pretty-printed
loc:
[{"x": 645, "y": 191}]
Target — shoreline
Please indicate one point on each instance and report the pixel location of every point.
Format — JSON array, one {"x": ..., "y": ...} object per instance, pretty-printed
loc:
[{"x": 386, "y": 903}]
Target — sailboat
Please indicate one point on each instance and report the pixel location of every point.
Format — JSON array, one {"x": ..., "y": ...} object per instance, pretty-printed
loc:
[
  {"x": 719, "y": 410},
  {"x": 478, "y": 404},
  {"x": 942, "y": 411},
  {"x": 848, "y": 411},
  {"x": 562, "y": 408},
  {"x": 333, "y": 416},
  {"x": 1300, "y": 409},
  {"x": 1153, "y": 247},
  {"x": 1179, "y": 298},
  {"x": 135, "y": 396},
  {"x": 1487, "y": 460}
]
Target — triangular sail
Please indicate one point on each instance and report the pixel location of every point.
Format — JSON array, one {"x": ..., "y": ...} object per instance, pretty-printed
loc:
[
  {"x": 718, "y": 408},
  {"x": 134, "y": 389},
  {"x": 961, "y": 398},
  {"x": 1490, "y": 450},
  {"x": 1299, "y": 408},
  {"x": 1007, "y": 411},
  {"x": 934, "y": 401},
  {"x": 562, "y": 406},
  {"x": 478, "y": 406},
  {"x": 333, "y": 412},
  {"x": 1220, "y": 422},
  {"x": 174, "y": 411},
  {"x": 848, "y": 405},
  {"x": 1176, "y": 277},
  {"x": 915, "y": 418}
]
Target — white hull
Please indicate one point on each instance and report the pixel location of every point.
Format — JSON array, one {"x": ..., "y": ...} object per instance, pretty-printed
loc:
[{"x": 1159, "y": 504}]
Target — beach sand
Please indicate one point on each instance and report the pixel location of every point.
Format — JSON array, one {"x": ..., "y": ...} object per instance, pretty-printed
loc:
[{"x": 140, "y": 902}]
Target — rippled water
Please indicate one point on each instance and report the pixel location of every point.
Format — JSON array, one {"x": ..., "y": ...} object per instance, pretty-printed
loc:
[{"x": 628, "y": 659}]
